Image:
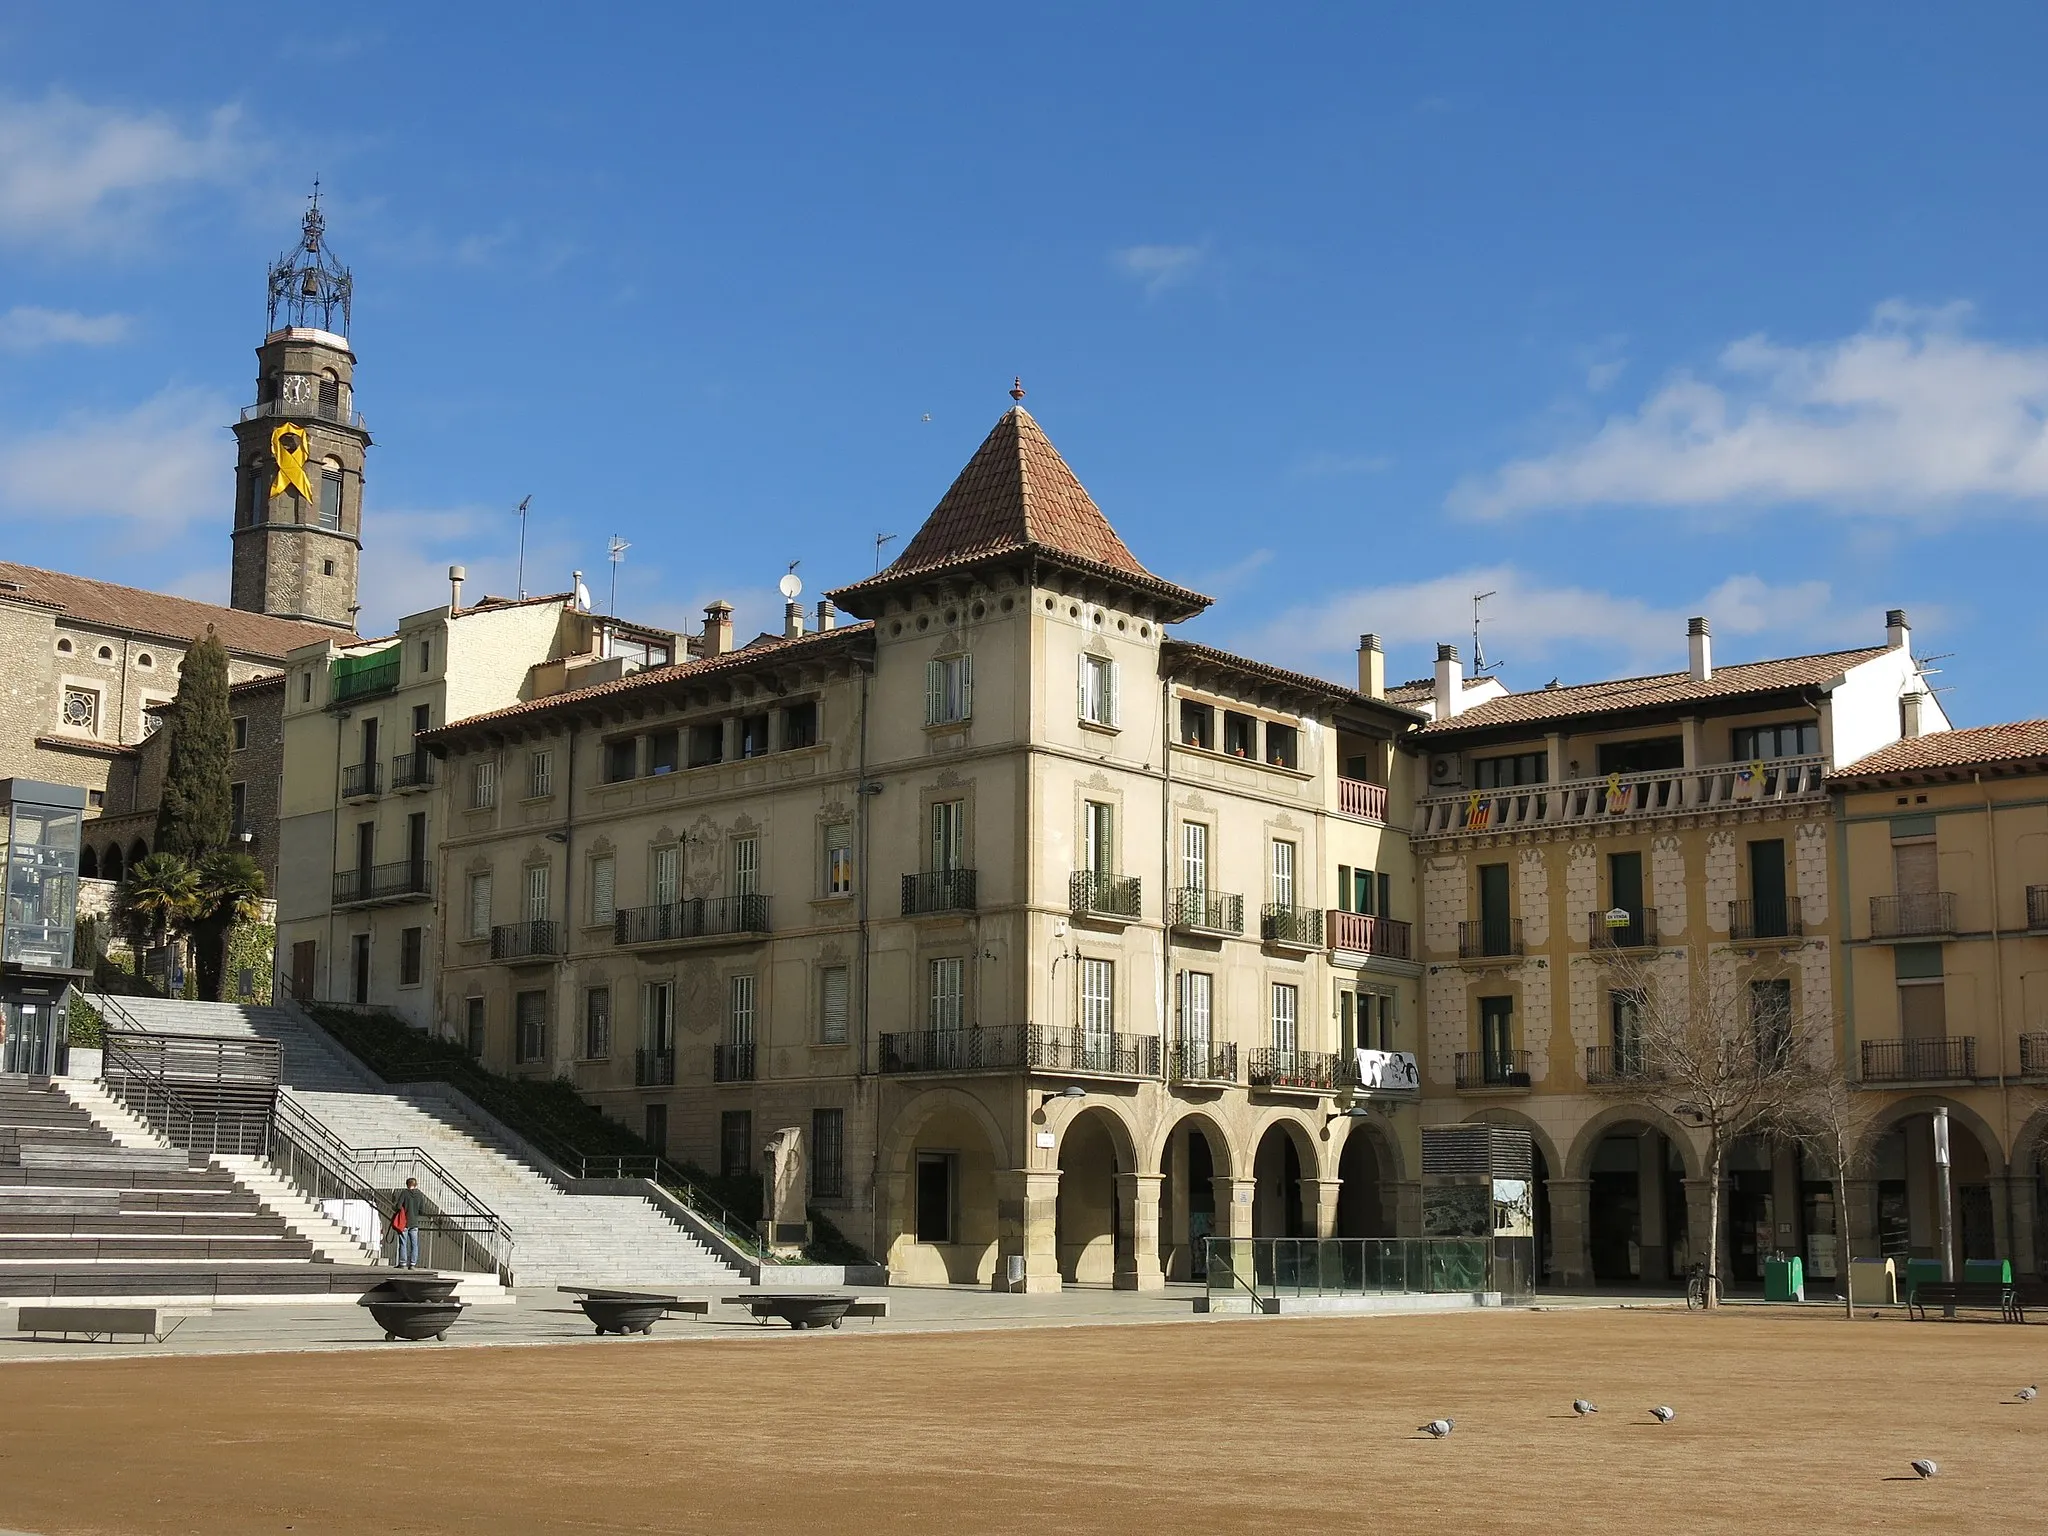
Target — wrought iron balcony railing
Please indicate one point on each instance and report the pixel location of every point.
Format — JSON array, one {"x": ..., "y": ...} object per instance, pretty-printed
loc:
[
  {"x": 1611, "y": 1067},
  {"x": 1639, "y": 932},
  {"x": 412, "y": 770},
  {"x": 360, "y": 781},
  {"x": 732, "y": 1063},
  {"x": 1272, "y": 1067},
  {"x": 1492, "y": 1069},
  {"x": 383, "y": 882},
  {"x": 698, "y": 918},
  {"x": 1488, "y": 937},
  {"x": 1090, "y": 894},
  {"x": 1904, "y": 917},
  {"x": 654, "y": 1069},
  {"x": 938, "y": 890},
  {"x": 1360, "y": 933},
  {"x": 1945, "y": 1059},
  {"x": 1752, "y": 920},
  {"x": 1291, "y": 927},
  {"x": 304, "y": 410},
  {"x": 1200, "y": 911},
  {"x": 970, "y": 1049},
  {"x": 526, "y": 941},
  {"x": 1203, "y": 1062},
  {"x": 2033, "y": 1054},
  {"x": 2037, "y": 906},
  {"x": 1087, "y": 1050}
]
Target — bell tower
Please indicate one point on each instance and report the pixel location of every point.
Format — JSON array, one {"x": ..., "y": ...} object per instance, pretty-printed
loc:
[{"x": 299, "y": 449}]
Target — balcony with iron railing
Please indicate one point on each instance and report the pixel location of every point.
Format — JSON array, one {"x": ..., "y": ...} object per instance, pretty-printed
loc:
[
  {"x": 1361, "y": 933},
  {"x": 1622, "y": 799},
  {"x": 1923, "y": 914},
  {"x": 1209, "y": 912},
  {"x": 1296, "y": 1071},
  {"x": 1624, "y": 1067},
  {"x": 361, "y": 781},
  {"x": 1100, "y": 1053},
  {"x": 362, "y": 684},
  {"x": 1639, "y": 932},
  {"x": 2037, "y": 907},
  {"x": 304, "y": 410},
  {"x": 1291, "y": 927},
  {"x": 732, "y": 1063},
  {"x": 1491, "y": 1071},
  {"x": 938, "y": 890},
  {"x": 679, "y": 922},
  {"x": 411, "y": 880},
  {"x": 531, "y": 941},
  {"x": 1490, "y": 938},
  {"x": 1117, "y": 897},
  {"x": 1949, "y": 1058},
  {"x": 2034, "y": 1055},
  {"x": 1200, "y": 1061},
  {"x": 1011, "y": 1048},
  {"x": 1360, "y": 798},
  {"x": 654, "y": 1069},
  {"x": 1751, "y": 922},
  {"x": 412, "y": 770}
]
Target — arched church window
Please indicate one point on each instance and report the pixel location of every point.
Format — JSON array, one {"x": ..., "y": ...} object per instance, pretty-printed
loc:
[
  {"x": 330, "y": 393},
  {"x": 330, "y": 493},
  {"x": 64, "y": 646}
]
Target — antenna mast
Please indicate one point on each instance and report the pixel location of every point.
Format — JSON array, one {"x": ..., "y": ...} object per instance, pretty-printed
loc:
[
  {"x": 523, "y": 505},
  {"x": 1479, "y": 662},
  {"x": 618, "y": 552},
  {"x": 880, "y": 540}
]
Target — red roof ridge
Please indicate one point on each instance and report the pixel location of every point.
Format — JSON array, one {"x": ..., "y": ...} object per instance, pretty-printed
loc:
[{"x": 162, "y": 616}]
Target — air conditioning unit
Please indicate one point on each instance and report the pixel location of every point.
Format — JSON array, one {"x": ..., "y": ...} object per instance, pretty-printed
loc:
[{"x": 1443, "y": 769}]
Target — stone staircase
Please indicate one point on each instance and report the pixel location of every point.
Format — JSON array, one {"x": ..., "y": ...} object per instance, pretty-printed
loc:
[{"x": 557, "y": 1237}]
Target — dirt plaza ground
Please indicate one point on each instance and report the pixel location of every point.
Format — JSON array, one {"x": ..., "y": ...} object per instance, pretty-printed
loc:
[{"x": 1791, "y": 1420}]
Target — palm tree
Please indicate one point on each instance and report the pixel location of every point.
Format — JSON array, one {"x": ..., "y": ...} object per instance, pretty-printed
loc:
[
  {"x": 157, "y": 898},
  {"x": 231, "y": 891}
]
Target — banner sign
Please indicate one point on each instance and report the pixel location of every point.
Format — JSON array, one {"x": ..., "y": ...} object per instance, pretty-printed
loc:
[{"x": 1387, "y": 1069}]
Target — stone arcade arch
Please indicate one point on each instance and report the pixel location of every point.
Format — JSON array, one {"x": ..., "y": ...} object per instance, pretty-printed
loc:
[
  {"x": 1198, "y": 1169},
  {"x": 1097, "y": 1220},
  {"x": 1287, "y": 1173},
  {"x": 939, "y": 1168},
  {"x": 1368, "y": 1177},
  {"x": 1630, "y": 1168},
  {"x": 1894, "y": 1212}
]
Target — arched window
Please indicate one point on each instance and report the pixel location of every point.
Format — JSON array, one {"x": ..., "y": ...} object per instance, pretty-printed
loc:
[
  {"x": 137, "y": 852},
  {"x": 330, "y": 394},
  {"x": 145, "y": 660},
  {"x": 106, "y": 653},
  {"x": 330, "y": 493},
  {"x": 110, "y": 866},
  {"x": 88, "y": 864},
  {"x": 64, "y": 646}
]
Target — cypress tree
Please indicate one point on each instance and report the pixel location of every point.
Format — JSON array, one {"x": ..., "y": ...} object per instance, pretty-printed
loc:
[{"x": 192, "y": 816}]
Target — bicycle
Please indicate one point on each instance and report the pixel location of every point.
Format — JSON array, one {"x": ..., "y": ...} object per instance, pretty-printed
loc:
[{"x": 1696, "y": 1288}]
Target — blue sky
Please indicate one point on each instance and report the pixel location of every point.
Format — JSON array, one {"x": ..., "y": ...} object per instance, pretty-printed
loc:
[{"x": 1342, "y": 313}]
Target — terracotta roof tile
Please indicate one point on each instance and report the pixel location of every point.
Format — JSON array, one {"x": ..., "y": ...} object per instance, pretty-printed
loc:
[
  {"x": 2014, "y": 741},
  {"x": 1016, "y": 496},
  {"x": 1728, "y": 682},
  {"x": 1231, "y": 661},
  {"x": 160, "y": 615}
]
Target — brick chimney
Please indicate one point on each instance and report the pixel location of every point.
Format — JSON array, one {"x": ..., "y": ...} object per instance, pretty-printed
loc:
[
  {"x": 1450, "y": 683},
  {"x": 1897, "y": 633},
  {"x": 1372, "y": 667},
  {"x": 717, "y": 628},
  {"x": 1699, "y": 643}
]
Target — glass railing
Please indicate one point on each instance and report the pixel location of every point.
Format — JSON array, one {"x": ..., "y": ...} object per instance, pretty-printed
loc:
[{"x": 1271, "y": 1268}]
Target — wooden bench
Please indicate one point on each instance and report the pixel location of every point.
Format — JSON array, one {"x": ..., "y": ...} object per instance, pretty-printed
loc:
[
  {"x": 869, "y": 1307},
  {"x": 1978, "y": 1295},
  {"x": 96, "y": 1323}
]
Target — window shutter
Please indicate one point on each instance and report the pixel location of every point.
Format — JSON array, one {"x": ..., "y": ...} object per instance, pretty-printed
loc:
[
  {"x": 966, "y": 666},
  {"x": 934, "y": 692},
  {"x": 1114, "y": 715},
  {"x": 1082, "y": 699}
]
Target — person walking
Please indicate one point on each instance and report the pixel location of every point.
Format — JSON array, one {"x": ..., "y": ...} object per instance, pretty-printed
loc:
[{"x": 405, "y": 1222}]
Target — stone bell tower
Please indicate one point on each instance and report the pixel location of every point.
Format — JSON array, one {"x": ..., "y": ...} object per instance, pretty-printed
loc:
[{"x": 299, "y": 449}]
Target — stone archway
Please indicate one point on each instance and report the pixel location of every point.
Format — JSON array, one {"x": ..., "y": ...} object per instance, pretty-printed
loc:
[
  {"x": 1093, "y": 1223},
  {"x": 1198, "y": 1169},
  {"x": 1287, "y": 1181},
  {"x": 1368, "y": 1169},
  {"x": 111, "y": 865},
  {"x": 939, "y": 1165},
  {"x": 88, "y": 863},
  {"x": 1896, "y": 1213}
]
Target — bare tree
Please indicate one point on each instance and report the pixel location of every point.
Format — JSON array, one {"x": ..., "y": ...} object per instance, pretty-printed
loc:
[
  {"x": 1834, "y": 1121},
  {"x": 1719, "y": 1048}
]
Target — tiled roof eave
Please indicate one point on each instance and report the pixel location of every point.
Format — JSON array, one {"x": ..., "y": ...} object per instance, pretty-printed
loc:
[
  {"x": 1184, "y": 602},
  {"x": 1266, "y": 674}
]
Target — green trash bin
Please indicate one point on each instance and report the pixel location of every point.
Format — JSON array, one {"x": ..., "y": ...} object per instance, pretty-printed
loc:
[
  {"x": 1988, "y": 1271},
  {"x": 1784, "y": 1279},
  {"x": 1918, "y": 1270}
]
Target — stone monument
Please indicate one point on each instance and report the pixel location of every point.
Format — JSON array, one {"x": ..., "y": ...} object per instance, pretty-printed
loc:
[{"x": 785, "y": 1175}]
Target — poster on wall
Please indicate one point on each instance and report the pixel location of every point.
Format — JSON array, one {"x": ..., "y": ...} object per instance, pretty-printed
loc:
[
  {"x": 1387, "y": 1069},
  {"x": 1514, "y": 1208}
]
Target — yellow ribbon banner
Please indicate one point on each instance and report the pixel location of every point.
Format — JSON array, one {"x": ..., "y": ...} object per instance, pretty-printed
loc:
[{"x": 288, "y": 447}]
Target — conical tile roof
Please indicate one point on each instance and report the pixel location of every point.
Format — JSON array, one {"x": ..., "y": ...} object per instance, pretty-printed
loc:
[{"x": 1017, "y": 496}]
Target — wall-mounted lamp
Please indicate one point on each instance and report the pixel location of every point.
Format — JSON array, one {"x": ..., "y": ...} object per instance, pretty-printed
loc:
[
  {"x": 558, "y": 837},
  {"x": 1071, "y": 1091},
  {"x": 1351, "y": 1112}
]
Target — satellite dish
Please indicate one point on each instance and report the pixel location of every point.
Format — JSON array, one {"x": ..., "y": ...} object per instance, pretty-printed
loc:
[{"x": 791, "y": 586}]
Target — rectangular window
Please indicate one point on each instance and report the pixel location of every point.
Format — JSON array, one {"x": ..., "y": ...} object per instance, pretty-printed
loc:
[
  {"x": 480, "y": 906},
  {"x": 948, "y": 842},
  {"x": 422, "y": 718},
  {"x": 1098, "y": 838},
  {"x": 473, "y": 1027},
  {"x": 1194, "y": 856},
  {"x": 800, "y": 726},
  {"x": 1197, "y": 725},
  {"x": 736, "y": 1143},
  {"x": 753, "y": 736},
  {"x": 658, "y": 1016},
  {"x": 1098, "y": 1007},
  {"x": 1650, "y": 756},
  {"x": 604, "y": 893},
  {"x": 935, "y": 1181},
  {"x": 1497, "y": 1037},
  {"x": 1240, "y": 734},
  {"x": 1769, "y": 916},
  {"x": 947, "y": 1003},
  {"x": 665, "y": 882},
  {"x": 654, "y": 1128},
  {"x": 540, "y": 775},
  {"x": 948, "y": 690},
  {"x": 537, "y": 893},
  {"x": 1283, "y": 873},
  {"x": 1507, "y": 772},
  {"x": 622, "y": 760},
  {"x": 241, "y": 725},
  {"x": 306, "y": 687},
  {"x": 832, "y": 1000},
  {"x": 426, "y": 657},
  {"x": 707, "y": 744},
  {"x": 238, "y": 807},
  {"x": 1495, "y": 927},
  {"x": 410, "y": 949},
  {"x": 330, "y": 498},
  {"x": 839, "y": 858},
  {"x": 662, "y": 747},
  {"x": 1794, "y": 739},
  {"x": 1770, "y": 1019},
  {"x": 597, "y": 1024},
  {"x": 739, "y": 1015},
  {"x": 1098, "y": 691},
  {"x": 1923, "y": 1010},
  {"x": 746, "y": 866},
  {"x": 1282, "y": 745},
  {"x": 1197, "y": 991},
  {"x": 1625, "y": 1031},
  {"x": 530, "y": 1031},
  {"x": 828, "y": 1154},
  {"x": 483, "y": 786},
  {"x": 1286, "y": 1018}
]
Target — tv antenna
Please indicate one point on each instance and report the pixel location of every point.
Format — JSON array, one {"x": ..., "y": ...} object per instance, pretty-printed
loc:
[
  {"x": 880, "y": 540},
  {"x": 615, "y": 552},
  {"x": 523, "y": 505},
  {"x": 1479, "y": 661}
]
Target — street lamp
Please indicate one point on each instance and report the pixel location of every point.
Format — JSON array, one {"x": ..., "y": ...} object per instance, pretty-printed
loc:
[
  {"x": 1071, "y": 1091},
  {"x": 1349, "y": 1112}
]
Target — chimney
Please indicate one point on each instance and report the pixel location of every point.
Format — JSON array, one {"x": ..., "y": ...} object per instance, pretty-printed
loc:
[
  {"x": 1372, "y": 667},
  {"x": 457, "y": 575},
  {"x": 1450, "y": 683},
  {"x": 1909, "y": 712},
  {"x": 792, "y": 620},
  {"x": 1897, "y": 634},
  {"x": 827, "y": 617},
  {"x": 717, "y": 628},
  {"x": 1699, "y": 642}
]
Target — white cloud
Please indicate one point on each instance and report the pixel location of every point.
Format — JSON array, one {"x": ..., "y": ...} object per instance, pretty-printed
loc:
[
  {"x": 73, "y": 174},
  {"x": 27, "y": 327},
  {"x": 1159, "y": 267},
  {"x": 1909, "y": 415},
  {"x": 156, "y": 467}
]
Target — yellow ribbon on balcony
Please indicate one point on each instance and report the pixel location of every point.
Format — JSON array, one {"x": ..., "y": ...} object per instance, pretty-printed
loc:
[
  {"x": 1478, "y": 813},
  {"x": 1618, "y": 799},
  {"x": 288, "y": 447}
]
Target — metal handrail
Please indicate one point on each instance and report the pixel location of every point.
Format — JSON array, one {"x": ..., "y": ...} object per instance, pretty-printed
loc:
[
  {"x": 191, "y": 1126},
  {"x": 659, "y": 1170}
]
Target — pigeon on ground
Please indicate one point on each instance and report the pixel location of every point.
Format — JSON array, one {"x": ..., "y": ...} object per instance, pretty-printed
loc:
[
  {"x": 1662, "y": 1414},
  {"x": 1581, "y": 1407},
  {"x": 1436, "y": 1429},
  {"x": 2027, "y": 1394},
  {"x": 1925, "y": 1468}
]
